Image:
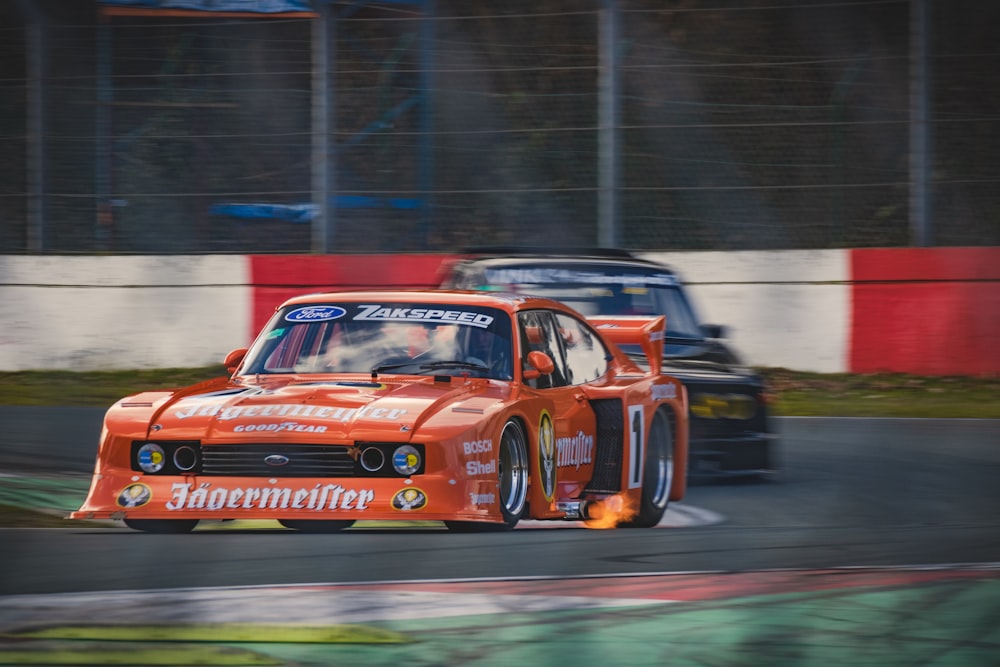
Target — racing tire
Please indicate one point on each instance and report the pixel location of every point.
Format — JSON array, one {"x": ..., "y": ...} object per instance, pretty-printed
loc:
[
  {"x": 658, "y": 473},
  {"x": 168, "y": 526},
  {"x": 513, "y": 472},
  {"x": 317, "y": 526}
]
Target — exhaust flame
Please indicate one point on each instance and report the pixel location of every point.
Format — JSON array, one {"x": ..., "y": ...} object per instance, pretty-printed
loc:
[{"x": 610, "y": 512}]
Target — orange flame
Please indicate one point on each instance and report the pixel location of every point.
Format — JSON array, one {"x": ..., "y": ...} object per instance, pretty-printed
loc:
[{"x": 611, "y": 511}]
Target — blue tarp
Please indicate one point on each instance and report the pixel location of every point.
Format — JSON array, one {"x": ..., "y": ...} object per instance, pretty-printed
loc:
[
  {"x": 302, "y": 213},
  {"x": 258, "y": 6},
  {"x": 288, "y": 212}
]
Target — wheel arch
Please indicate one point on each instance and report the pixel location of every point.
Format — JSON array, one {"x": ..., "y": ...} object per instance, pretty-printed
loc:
[
  {"x": 677, "y": 416},
  {"x": 529, "y": 416}
]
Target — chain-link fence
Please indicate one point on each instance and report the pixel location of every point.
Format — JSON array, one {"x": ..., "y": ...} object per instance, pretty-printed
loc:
[{"x": 741, "y": 125}]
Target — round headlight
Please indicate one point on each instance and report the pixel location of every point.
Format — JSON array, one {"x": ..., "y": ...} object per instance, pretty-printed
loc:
[
  {"x": 406, "y": 460},
  {"x": 151, "y": 457}
]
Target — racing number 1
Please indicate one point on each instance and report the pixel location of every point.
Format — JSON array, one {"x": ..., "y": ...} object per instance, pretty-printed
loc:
[{"x": 635, "y": 439}]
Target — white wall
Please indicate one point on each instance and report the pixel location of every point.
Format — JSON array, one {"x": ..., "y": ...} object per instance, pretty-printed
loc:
[
  {"x": 788, "y": 308},
  {"x": 86, "y": 313},
  {"x": 783, "y": 308}
]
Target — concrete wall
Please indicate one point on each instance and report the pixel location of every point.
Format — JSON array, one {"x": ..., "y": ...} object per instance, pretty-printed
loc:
[
  {"x": 787, "y": 309},
  {"x": 928, "y": 310},
  {"x": 84, "y": 313}
]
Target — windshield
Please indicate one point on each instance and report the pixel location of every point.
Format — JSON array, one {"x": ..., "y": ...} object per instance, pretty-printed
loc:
[
  {"x": 419, "y": 339},
  {"x": 619, "y": 290}
]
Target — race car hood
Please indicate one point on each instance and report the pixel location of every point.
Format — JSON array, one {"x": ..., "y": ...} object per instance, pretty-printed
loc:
[{"x": 332, "y": 409}]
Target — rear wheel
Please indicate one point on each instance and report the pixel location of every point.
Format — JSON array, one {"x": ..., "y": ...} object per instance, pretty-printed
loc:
[
  {"x": 658, "y": 473},
  {"x": 316, "y": 526},
  {"x": 512, "y": 472},
  {"x": 172, "y": 526}
]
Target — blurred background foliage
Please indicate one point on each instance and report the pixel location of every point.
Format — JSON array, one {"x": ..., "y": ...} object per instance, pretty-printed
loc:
[{"x": 791, "y": 393}]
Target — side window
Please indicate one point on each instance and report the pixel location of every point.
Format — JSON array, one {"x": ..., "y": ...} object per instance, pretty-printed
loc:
[
  {"x": 464, "y": 278},
  {"x": 538, "y": 331},
  {"x": 586, "y": 356},
  {"x": 283, "y": 356},
  {"x": 459, "y": 279}
]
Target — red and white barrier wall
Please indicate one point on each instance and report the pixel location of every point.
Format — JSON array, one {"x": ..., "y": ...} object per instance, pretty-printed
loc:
[{"x": 932, "y": 311}]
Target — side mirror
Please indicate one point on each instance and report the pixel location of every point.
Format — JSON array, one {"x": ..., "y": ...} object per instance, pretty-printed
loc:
[
  {"x": 714, "y": 330},
  {"x": 234, "y": 359},
  {"x": 541, "y": 364}
]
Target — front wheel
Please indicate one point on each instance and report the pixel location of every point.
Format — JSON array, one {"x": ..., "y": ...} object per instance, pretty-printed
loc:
[
  {"x": 316, "y": 525},
  {"x": 658, "y": 473},
  {"x": 512, "y": 477},
  {"x": 171, "y": 526}
]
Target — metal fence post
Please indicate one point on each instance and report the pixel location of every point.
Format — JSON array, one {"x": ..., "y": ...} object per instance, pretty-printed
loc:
[
  {"x": 609, "y": 106},
  {"x": 324, "y": 160},
  {"x": 921, "y": 232}
]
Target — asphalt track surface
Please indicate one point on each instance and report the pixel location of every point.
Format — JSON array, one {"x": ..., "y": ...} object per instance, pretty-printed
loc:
[{"x": 879, "y": 544}]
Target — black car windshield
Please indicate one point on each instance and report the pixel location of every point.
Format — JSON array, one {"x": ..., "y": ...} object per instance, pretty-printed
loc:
[
  {"x": 618, "y": 290},
  {"x": 411, "y": 338}
]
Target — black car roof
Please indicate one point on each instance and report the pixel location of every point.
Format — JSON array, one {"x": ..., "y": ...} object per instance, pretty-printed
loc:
[
  {"x": 550, "y": 252},
  {"x": 597, "y": 257}
]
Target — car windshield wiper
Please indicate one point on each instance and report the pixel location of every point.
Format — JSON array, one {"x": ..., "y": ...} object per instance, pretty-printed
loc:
[
  {"x": 392, "y": 367},
  {"x": 430, "y": 365},
  {"x": 454, "y": 363}
]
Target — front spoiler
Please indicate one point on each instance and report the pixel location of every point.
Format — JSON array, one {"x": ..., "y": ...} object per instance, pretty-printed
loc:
[
  {"x": 130, "y": 495},
  {"x": 744, "y": 455}
]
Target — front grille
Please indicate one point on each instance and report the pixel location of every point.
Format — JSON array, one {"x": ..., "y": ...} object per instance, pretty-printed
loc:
[{"x": 302, "y": 460}]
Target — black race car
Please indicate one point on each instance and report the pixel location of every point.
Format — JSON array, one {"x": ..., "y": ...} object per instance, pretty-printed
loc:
[{"x": 730, "y": 434}]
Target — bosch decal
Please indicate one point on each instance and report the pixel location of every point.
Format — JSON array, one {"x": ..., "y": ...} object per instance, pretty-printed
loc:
[{"x": 477, "y": 447}]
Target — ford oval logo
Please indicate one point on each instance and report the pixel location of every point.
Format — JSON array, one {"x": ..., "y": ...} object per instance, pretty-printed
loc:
[
  {"x": 315, "y": 313},
  {"x": 276, "y": 460}
]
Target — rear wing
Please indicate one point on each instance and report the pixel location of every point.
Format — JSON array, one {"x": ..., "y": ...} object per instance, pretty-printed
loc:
[{"x": 646, "y": 332}]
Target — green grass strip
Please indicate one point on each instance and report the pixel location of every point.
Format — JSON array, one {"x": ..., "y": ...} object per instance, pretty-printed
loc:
[
  {"x": 222, "y": 632},
  {"x": 140, "y": 656}
]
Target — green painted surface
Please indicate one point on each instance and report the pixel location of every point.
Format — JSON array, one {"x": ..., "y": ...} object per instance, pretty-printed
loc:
[
  {"x": 54, "y": 494},
  {"x": 952, "y": 623}
]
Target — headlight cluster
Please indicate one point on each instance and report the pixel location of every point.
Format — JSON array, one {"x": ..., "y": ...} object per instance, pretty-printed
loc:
[
  {"x": 362, "y": 459},
  {"x": 723, "y": 406},
  {"x": 387, "y": 458},
  {"x": 168, "y": 458}
]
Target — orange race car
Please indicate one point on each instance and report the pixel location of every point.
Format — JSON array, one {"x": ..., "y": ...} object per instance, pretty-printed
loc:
[{"x": 475, "y": 409}]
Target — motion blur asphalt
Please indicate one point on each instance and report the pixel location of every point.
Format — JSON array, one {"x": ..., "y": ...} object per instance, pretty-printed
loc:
[
  {"x": 892, "y": 617},
  {"x": 941, "y": 615}
]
